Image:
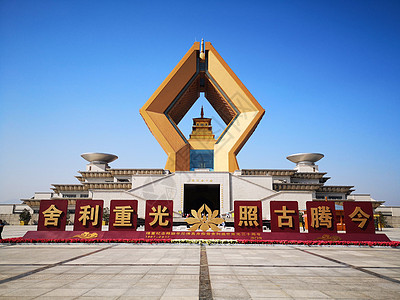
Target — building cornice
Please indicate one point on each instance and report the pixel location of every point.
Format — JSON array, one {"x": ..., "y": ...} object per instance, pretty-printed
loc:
[
  {"x": 114, "y": 172},
  {"x": 309, "y": 175},
  {"x": 95, "y": 174},
  {"x": 324, "y": 179},
  {"x": 296, "y": 186},
  {"x": 32, "y": 203},
  {"x": 80, "y": 178},
  {"x": 335, "y": 189},
  {"x": 267, "y": 172},
  {"x": 108, "y": 186},
  {"x": 68, "y": 187}
]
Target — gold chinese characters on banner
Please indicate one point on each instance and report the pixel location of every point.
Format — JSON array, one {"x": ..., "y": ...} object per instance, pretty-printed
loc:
[{"x": 51, "y": 216}]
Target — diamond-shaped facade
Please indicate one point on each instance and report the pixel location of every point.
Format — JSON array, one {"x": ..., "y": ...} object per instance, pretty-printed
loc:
[{"x": 204, "y": 73}]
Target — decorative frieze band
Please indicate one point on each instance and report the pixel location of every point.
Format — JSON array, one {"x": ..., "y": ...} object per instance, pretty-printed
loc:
[
  {"x": 296, "y": 186},
  {"x": 265, "y": 172}
]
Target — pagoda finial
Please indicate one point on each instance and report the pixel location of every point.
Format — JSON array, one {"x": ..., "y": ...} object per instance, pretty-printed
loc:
[
  {"x": 202, "y": 112},
  {"x": 202, "y": 53}
]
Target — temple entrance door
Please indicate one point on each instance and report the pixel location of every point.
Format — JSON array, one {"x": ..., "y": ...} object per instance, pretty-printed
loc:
[{"x": 195, "y": 195}]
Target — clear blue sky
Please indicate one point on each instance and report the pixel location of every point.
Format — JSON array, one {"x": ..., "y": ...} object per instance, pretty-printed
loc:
[{"x": 73, "y": 75}]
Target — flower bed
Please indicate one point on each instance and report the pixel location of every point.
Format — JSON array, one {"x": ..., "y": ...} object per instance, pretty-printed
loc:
[{"x": 394, "y": 244}]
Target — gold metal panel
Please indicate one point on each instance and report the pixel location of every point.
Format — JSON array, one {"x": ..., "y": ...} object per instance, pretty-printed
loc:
[{"x": 230, "y": 94}]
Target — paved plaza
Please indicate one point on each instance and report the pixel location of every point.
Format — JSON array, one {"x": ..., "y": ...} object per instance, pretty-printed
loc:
[{"x": 185, "y": 271}]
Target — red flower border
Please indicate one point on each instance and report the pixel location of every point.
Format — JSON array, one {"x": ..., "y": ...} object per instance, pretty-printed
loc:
[{"x": 394, "y": 244}]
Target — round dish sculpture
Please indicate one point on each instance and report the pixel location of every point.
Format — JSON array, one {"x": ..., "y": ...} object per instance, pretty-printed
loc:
[
  {"x": 99, "y": 157},
  {"x": 305, "y": 157}
]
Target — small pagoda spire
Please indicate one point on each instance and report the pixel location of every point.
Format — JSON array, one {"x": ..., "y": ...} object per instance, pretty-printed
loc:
[
  {"x": 202, "y": 112},
  {"x": 202, "y": 53}
]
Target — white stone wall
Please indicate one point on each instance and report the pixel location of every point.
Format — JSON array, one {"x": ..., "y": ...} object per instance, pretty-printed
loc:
[
  {"x": 43, "y": 195},
  {"x": 140, "y": 180},
  {"x": 245, "y": 189},
  {"x": 360, "y": 197},
  {"x": 264, "y": 181},
  {"x": 6, "y": 209},
  {"x": 389, "y": 210}
]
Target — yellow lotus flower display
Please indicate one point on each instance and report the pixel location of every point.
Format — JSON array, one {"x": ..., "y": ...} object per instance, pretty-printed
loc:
[{"x": 204, "y": 220}]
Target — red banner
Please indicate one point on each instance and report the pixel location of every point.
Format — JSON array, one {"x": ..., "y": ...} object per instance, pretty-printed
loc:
[
  {"x": 123, "y": 215},
  {"x": 159, "y": 215},
  {"x": 321, "y": 216},
  {"x": 248, "y": 216},
  {"x": 359, "y": 217},
  {"x": 53, "y": 215},
  {"x": 284, "y": 216},
  {"x": 88, "y": 215}
]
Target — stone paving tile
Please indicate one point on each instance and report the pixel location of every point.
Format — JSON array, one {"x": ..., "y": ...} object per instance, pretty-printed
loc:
[
  {"x": 127, "y": 277},
  {"x": 381, "y": 294},
  {"x": 71, "y": 270},
  {"x": 262, "y": 294},
  {"x": 179, "y": 284},
  {"x": 107, "y": 270},
  {"x": 66, "y": 292},
  {"x": 187, "y": 270},
  {"x": 17, "y": 297},
  {"x": 162, "y": 270},
  {"x": 259, "y": 285},
  {"x": 119, "y": 283},
  {"x": 342, "y": 294},
  {"x": 58, "y": 297},
  {"x": 44, "y": 255},
  {"x": 92, "y": 276},
  {"x": 179, "y": 298},
  {"x": 225, "y": 285},
  {"x": 282, "y": 255},
  {"x": 362, "y": 257},
  {"x": 271, "y": 272},
  {"x": 144, "y": 255},
  {"x": 27, "y": 292},
  {"x": 233, "y": 292},
  {"x": 220, "y": 270},
  {"x": 307, "y": 294},
  {"x": 12, "y": 271},
  {"x": 139, "y": 291},
  {"x": 105, "y": 292},
  {"x": 149, "y": 285},
  {"x": 49, "y": 284},
  {"x": 135, "y": 270},
  {"x": 157, "y": 277},
  {"x": 125, "y": 297},
  {"x": 16, "y": 284},
  {"x": 67, "y": 276},
  {"x": 387, "y": 272},
  {"x": 57, "y": 269},
  {"x": 185, "y": 277},
  {"x": 224, "y": 278},
  {"x": 82, "y": 284},
  {"x": 247, "y": 271},
  {"x": 84, "y": 297},
  {"x": 173, "y": 292}
]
